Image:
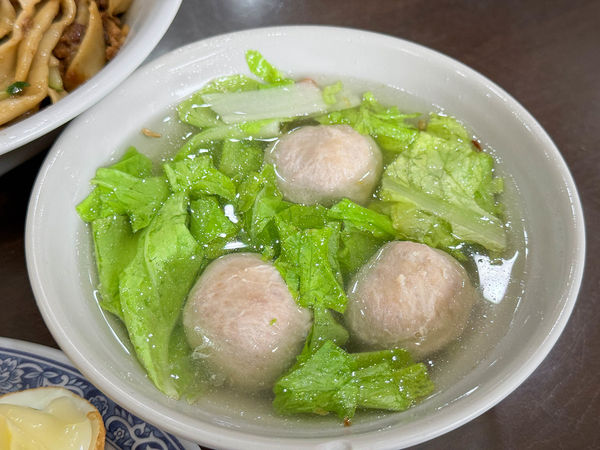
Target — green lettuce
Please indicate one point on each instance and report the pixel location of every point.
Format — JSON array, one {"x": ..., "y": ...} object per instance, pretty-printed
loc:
[
  {"x": 264, "y": 70},
  {"x": 199, "y": 176},
  {"x": 442, "y": 191},
  {"x": 363, "y": 232},
  {"x": 115, "y": 246},
  {"x": 326, "y": 327},
  {"x": 412, "y": 223},
  {"x": 134, "y": 163},
  {"x": 153, "y": 289},
  {"x": 198, "y": 143},
  {"x": 209, "y": 225},
  {"x": 240, "y": 158},
  {"x": 308, "y": 263},
  {"x": 194, "y": 111},
  {"x": 258, "y": 202},
  {"x": 364, "y": 219},
  {"x": 139, "y": 198},
  {"x": 322, "y": 384},
  {"x": 332, "y": 380},
  {"x": 355, "y": 249},
  {"x": 125, "y": 188},
  {"x": 391, "y": 129},
  {"x": 330, "y": 93},
  {"x": 304, "y": 216}
]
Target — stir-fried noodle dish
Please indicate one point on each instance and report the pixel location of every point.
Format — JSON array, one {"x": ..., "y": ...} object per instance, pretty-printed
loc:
[{"x": 49, "y": 47}]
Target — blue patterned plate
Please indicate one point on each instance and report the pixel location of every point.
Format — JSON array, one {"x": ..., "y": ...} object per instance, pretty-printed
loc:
[{"x": 24, "y": 365}]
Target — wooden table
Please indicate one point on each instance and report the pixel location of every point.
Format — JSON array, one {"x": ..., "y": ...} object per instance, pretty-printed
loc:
[{"x": 546, "y": 53}]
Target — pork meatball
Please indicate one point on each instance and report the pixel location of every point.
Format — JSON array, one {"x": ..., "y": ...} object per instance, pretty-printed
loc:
[
  {"x": 241, "y": 319},
  {"x": 325, "y": 163},
  {"x": 411, "y": 296}
]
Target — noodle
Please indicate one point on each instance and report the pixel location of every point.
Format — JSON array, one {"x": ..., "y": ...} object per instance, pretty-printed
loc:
[
  {"x": 7, "y": 17},
  {"x": 49, "y": 47}
]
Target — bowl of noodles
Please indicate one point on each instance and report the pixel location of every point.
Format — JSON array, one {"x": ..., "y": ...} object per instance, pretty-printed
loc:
[{"x": 59, "y": 57}]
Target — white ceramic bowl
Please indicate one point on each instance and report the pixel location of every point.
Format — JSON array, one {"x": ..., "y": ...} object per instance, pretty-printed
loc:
[
  {"x": 148, "y": 21},
  {"x": 545, "y": 285}
]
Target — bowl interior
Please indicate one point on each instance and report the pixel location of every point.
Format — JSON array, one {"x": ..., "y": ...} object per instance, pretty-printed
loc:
[
  {"x": 148, "y": 21},
  {"x": 488, "y": 364}
]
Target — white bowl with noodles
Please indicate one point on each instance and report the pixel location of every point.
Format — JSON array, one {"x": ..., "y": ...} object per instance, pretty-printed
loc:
[
  {"x": 148, "y": 20},
  {"x": 491, "y": 361}
]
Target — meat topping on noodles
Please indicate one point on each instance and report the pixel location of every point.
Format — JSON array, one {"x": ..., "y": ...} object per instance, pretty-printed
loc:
[
  {"x": 69, "y": 44},
  {"x": 114, "y": 34}
]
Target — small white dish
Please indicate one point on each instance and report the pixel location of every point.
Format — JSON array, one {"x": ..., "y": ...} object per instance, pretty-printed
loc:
[
  {"x": 59, "y": 255},
  {"x": 24, "y": 365},
  {"x": 148, "y": 21}
]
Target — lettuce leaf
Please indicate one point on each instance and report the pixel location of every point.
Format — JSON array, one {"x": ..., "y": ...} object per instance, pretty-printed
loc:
[
  {"x": 364, "y": 219},
  {"x": 447, "y": 128},
  {"x": 209, "y": 225},
  {"x": 139, "y": 198},
  {"x": 414, "y": 224},
  {"x": 308, "y": 263},
  {"x": 304, "y": 216},
  {"x": 118, "y": 193},
  {"x": 388, "y": 126},
  {"x": 199, "y": 176},
  {"x": 284, "y": 102},
  {"x": 260, "y": 129},
  {"x": 134, "y": 163},
  {"x": 264, "y": 70},
  {"x": 258, "y": 202},
  {"x": 126, "y": 188},
  {"x": 330, "y": 93},
  {"x": 326, "y": 327},
  {"x": 393, "y": 390},
  {"x": 153, "y": 288},
  {"x": 240, "y": 158},
  {"x": 363, "y": 232},
  {"x": 332, "y": 380},
  {"x": 355, "y": 249},
  {"x": 323, "y": 383},
  {"x": 194, "y": 111},
  {"x": 115, "y": 246},
  {"x": 444, "y": 177}
]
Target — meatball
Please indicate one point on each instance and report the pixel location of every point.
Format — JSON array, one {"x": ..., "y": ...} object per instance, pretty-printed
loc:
[
  {"x": 242, "y": 320},
  {"x": 409, "y": 295},
  {"x": 325, "y": 163}
]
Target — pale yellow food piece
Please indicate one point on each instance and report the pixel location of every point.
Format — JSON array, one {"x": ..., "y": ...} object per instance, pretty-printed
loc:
[
  {"x": 50, "y": 418},
  {"x": 7, "y": 17}
]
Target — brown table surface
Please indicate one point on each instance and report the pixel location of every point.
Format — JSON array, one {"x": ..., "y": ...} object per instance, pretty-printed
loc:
[{"x": 546, "y": 53}]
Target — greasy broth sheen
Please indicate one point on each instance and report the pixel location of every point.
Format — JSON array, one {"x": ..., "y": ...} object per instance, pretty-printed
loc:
[{"x": 499, "y": 282}]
